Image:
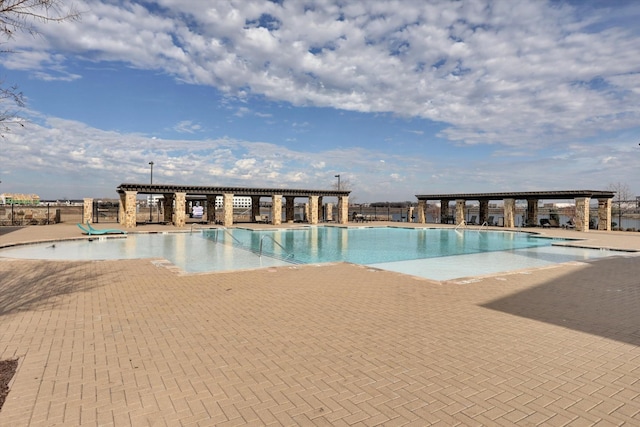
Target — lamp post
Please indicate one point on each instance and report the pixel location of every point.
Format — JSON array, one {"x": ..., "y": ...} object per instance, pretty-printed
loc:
[
  {"x": 150, "y": 195},
  {"x": 338, "y": 176}
]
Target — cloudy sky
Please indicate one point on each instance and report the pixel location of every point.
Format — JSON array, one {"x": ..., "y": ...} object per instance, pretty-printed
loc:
[{"x": 397, "y": 97}]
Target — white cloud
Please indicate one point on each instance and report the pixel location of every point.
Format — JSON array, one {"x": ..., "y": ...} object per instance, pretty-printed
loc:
[
  {"x": 187, "y": 126},
  {"x": 516, "y": 72}
]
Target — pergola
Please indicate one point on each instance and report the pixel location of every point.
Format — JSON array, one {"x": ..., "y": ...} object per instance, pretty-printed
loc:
[
  {"x": 175, "y": 201},
  {"x": 582, "y": 201}
]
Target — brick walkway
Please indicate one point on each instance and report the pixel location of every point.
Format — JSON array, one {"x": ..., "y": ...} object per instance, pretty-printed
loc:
[{"x": 130, "y": 343}]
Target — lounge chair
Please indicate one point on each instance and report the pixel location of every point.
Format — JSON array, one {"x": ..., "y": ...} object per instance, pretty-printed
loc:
[
  {"x": 94, "y": 231},
  {"x": 262, "y": 219},
  {"x": 569, "y": 224},
  {"x": 544, "y": 222},
  {"x": 472, "y": 221}
]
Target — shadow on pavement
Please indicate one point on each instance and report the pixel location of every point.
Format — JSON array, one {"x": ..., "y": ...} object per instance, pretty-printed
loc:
[
  {"x": 29, "y": 285},
  {"x": 8, "y": 229},
  {"x": 601, "y": 299}
]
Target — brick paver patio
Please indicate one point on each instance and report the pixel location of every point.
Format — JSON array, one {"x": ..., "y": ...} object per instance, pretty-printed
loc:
[{"x": 131, "y": 342}]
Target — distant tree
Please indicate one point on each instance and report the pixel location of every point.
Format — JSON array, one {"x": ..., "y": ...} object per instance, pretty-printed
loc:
[
  {"x": 345, "y": 185},
  {"x": 623, "y": 195},
  {"x": 19, "y": 16}
]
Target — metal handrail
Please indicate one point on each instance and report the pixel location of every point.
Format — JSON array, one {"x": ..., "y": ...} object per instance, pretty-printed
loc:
[
  {"x": 463, "y": 222},
  {"x": 226, "y": 231},
  {"x": 484, "y": 225},
  {"x": 289, "y": 255}
]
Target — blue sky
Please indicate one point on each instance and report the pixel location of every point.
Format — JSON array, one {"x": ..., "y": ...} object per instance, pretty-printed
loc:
[{"x": 399, "y": 98}]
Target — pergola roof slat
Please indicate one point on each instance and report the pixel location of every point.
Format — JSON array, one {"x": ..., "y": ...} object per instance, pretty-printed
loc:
[
  {"x": 561, "y": 194},
  {"x": 219, "y": 190}
]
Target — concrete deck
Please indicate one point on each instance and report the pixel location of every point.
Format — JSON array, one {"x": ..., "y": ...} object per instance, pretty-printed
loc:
[{"x": 116, "y": 343}]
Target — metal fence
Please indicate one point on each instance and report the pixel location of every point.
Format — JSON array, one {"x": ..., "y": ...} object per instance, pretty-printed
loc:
[{"x": 46, "y": 213}]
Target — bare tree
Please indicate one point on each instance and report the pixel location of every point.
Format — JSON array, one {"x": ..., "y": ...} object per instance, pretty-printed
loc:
[
  {"x": 345, "y": 185},
  {"x": 623, "y": 195},
  {"x": 19, "y": 16}
]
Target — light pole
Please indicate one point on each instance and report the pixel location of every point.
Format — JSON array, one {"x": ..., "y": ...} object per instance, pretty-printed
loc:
[
  {"x": 150, "y": 195},
  {"x": 338, "y": 176}
]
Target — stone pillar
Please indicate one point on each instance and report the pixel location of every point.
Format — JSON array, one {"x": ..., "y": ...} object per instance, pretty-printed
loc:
[
  {"x": 255, "y": 208},
  {"x": 329, "y": 212},
  {"x": 484, "y": 211},
  {"x": 532, "y": 212},
  {"x": 180, "y": 212},
  {"x": 582, "y": 213},
  {"x": 604, "y": 214},
  {"x": 87, "y": 211},
  {"x": 276, "y": 209},
  {"x": 422, "y": 211},
  {"x": 306, "y": 212},
  {"x": 460, "y": 206},
  {"x": 122, "y": 207},
  {"x": 168, "y": 208},
  {"x": 444, "y": 210},
  {"x": 320, "y": 216},
  {"x": 211, "y": 208},
  {"x": 410, "y": 214},
  {"x": 227, "y": 208},
  {"x": 129, "y": 218},
  {"x": 313, "y": 209},
  {"x": 509, "y": 213},
  {"x": 343, "y": 209},
  {"x": 289, "y": 208}
]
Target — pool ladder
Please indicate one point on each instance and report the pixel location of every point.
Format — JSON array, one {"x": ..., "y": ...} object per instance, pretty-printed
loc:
[
  {"x": 484, "y": 226},
  {"x": 289, "y": 255},
  {"x": 228, "y": 233}
]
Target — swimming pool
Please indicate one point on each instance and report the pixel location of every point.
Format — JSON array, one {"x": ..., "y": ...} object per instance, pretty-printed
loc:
[{"x": 434, "y": 253}]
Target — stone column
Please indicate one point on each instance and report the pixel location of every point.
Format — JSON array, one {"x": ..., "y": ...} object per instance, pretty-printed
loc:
[
  {"x": 227, "y": 207},
  {"x": 320, "y": 218},
  {"x": 532, "y": 212},
  {"x": 129, "y": 219},
  {"x": 343, "y": 209},
  {"x": 410, "y": 214},
  {"x": 329, "y": 212},
  {"x": 460, "y": 206},
  {"x": 582, "y": 213},
  {"x": 604, "y": 214},
  {"x": 313, "y": 209},
  {"x": 289, "y": 208},
  {"x": 168, "y": 208},
  {"x": 211, "y": 208},
  {"x": 122, "y": 207},
  {"x": 484, "y": 211},
  {"x": 87, "y": 211},
  {"x": 444, "y": 210},
  {"x": 180, "y": 213},
  {"x": 276, "y": 209},
  {"x": 422, "y": 211},
  {"x": 509, "y": 213},
  {"x": 255, "y": 208}
]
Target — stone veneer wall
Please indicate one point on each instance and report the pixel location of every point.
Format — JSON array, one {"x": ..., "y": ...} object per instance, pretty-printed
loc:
[
  {"x": 582, "y": 213},
  {"x": 179, "y": 215},
  {"x": 313, "y": 209},
  {"x": 276, "y": 209},
  {"x": 604, "y": 214},
  {"x": 87, "y": 211}
]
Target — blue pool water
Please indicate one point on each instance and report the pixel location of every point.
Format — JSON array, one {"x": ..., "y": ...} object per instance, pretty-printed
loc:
[
  {"x": 433, "y": 253},
  {"x": 370, "y": 245}
]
